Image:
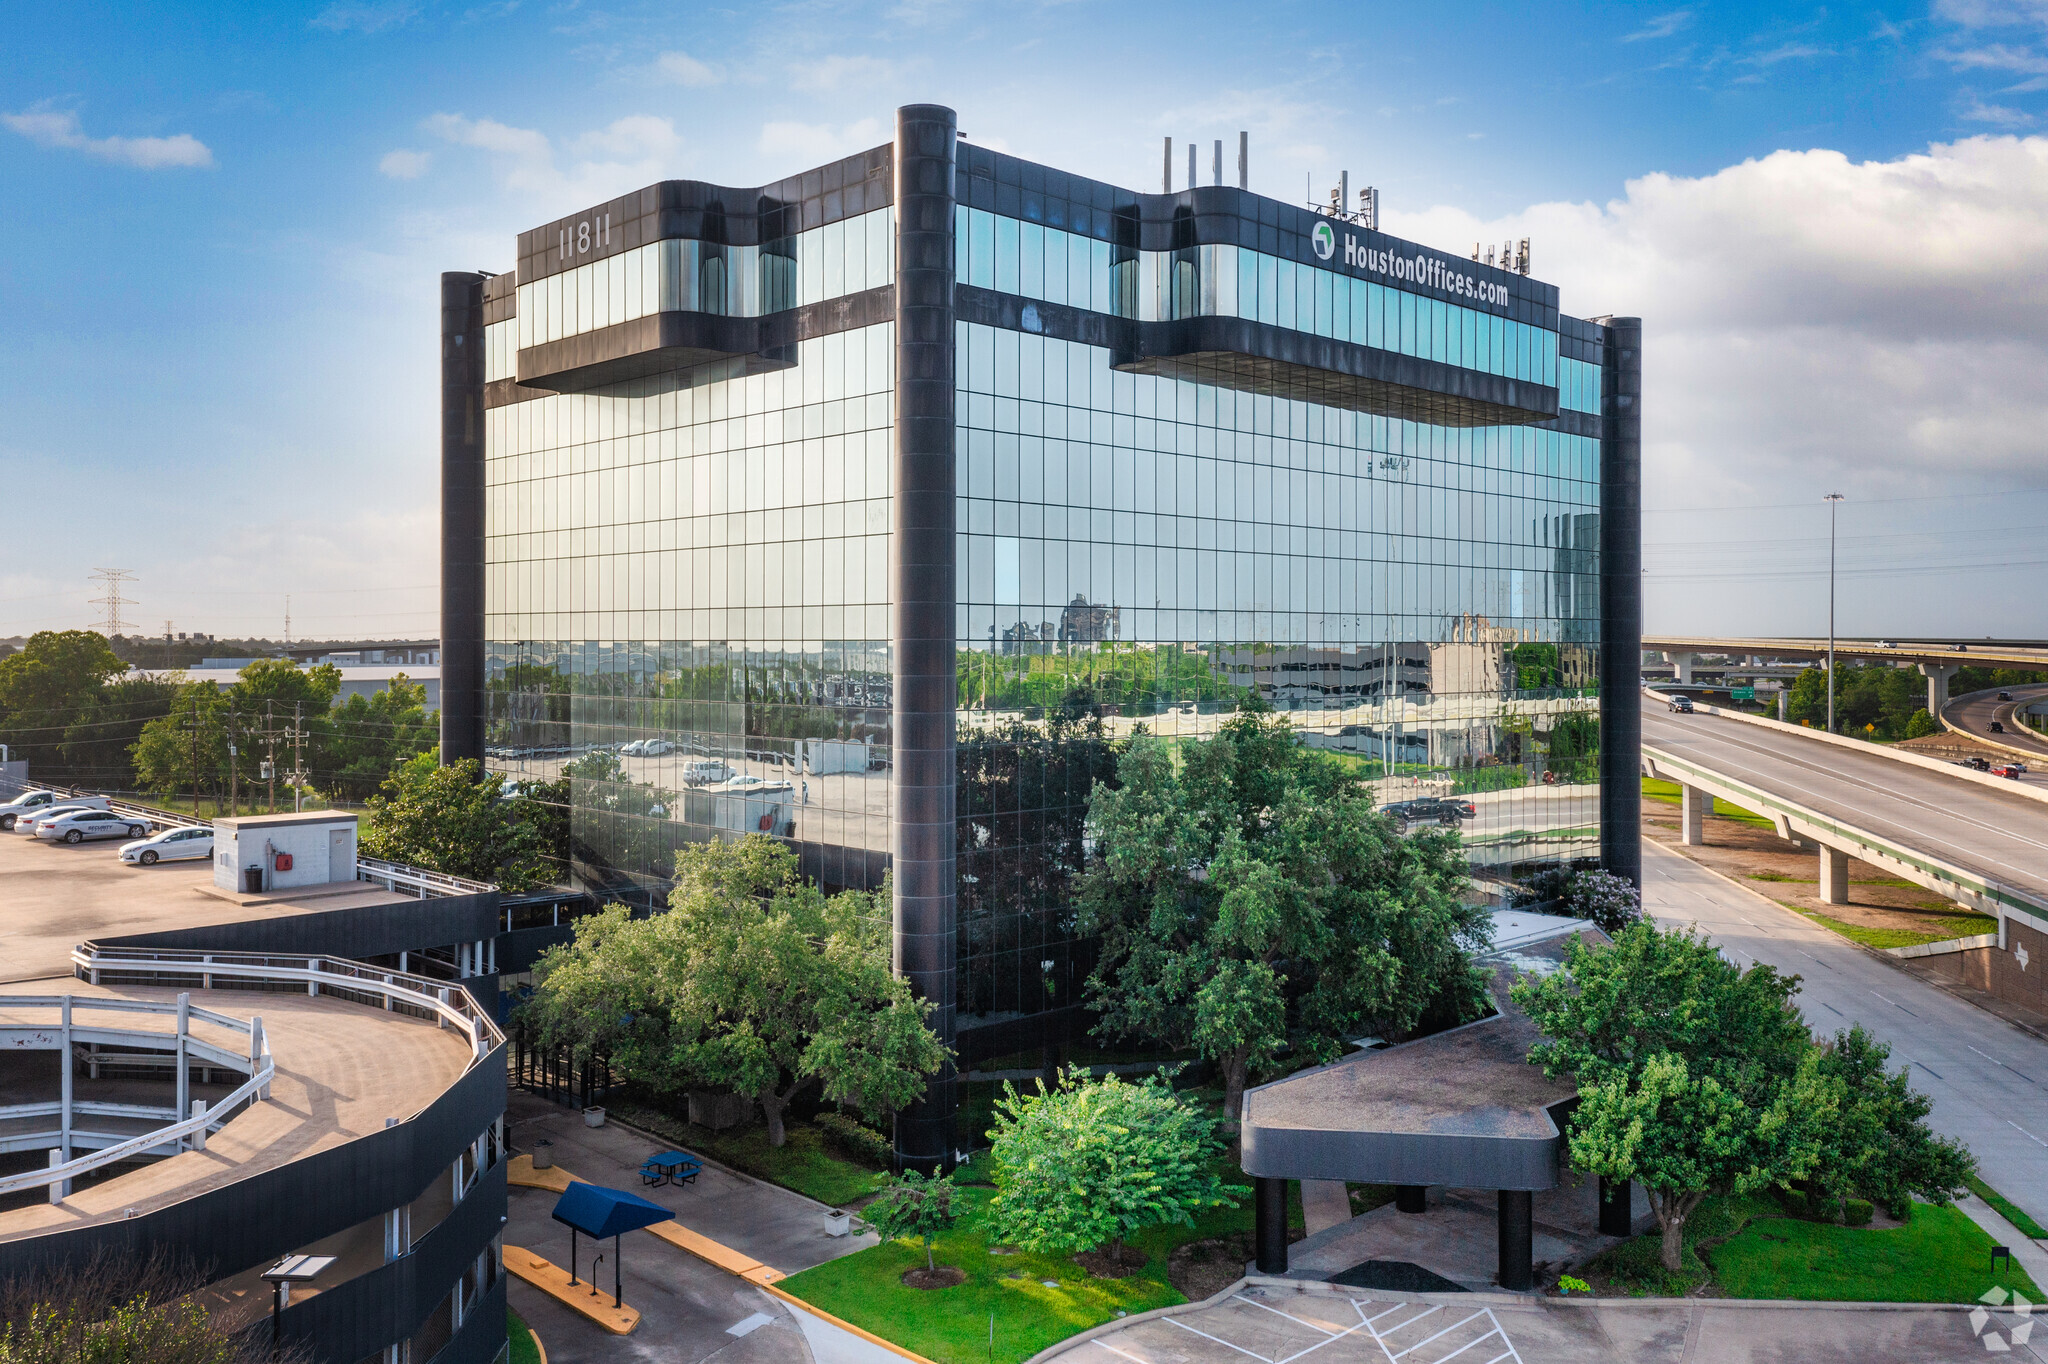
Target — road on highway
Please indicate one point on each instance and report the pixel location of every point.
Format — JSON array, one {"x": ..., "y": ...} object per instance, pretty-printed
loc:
[
  {"x": 1974, "y": 712},
  {"x": 1997, "y": 834},
  {"x": 1988, "y": 1079}
]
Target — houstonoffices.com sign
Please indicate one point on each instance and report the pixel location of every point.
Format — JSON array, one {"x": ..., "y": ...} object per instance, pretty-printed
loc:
[{"x": 1419, "y": 268}]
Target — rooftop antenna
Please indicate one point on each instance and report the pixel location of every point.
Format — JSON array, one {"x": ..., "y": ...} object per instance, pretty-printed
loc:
[
  {"x": 1369, "y": 209},
  {"x": 1244, "y": 160},
  {"x": 1166, "y": 171},
  {"x": 1191, "y": 163},
  {"x": 112, "y": 580}
]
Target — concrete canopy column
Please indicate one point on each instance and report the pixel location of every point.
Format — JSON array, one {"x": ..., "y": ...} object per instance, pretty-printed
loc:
[
  {"x": 1616, "y": 1207},
  {"x": 1693, "y": 805},
  {"x": 1937, "y": 675},
  {"x": 1269, "y": 1224},
  {"x": 1517, "y": 1240},
  {"x": 922, "y": 573},
  {"x": 1834, "y": 876},
  {"x": 1411, "y": 1198}
]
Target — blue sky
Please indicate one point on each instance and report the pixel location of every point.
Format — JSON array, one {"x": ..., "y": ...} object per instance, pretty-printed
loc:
[{"x": 225, "y": 224}]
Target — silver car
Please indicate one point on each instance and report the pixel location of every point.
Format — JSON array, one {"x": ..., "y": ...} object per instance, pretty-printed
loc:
[
  {"x": 172, "y": 845},
  {"x": 80, "y": 825}
]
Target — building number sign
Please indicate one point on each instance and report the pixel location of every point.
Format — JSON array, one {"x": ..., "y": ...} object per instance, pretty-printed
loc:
[{"x": 591, "y": 232}]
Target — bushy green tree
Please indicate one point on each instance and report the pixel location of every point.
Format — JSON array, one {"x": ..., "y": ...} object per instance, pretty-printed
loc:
[
  {"x": 1252, "y": 903},
  {"x": 364, "y": 737},
  {"x": 1091, "y": 1162},
  {"x": 99, "y": 742},
  {"x": 185, "y": 750},
  {"x": 1695, "y": 1077},
  {"x": 754, "y": 981},
  {"x": 44, "y": 690},
  {"x": 912, "y": 1204},
  {"x": 454, "y": 819},
  {"x": 1878, "y": 1145}
]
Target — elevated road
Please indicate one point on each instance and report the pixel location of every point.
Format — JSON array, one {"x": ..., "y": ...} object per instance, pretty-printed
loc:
[
  {"x": 1973, "y": 714},
  {"x": 1971, "y": 841},
  {"x": 1988, "y": 653}
]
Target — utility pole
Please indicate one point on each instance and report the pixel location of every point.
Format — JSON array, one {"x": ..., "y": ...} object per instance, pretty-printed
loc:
[
  {"x": 270, "y": 752},
  {"x": 298, "y": 738},
  {"x": 1832, "y": 499},
  {"x": 234, "y": 770},
  {"x": 192, "y": 726}
]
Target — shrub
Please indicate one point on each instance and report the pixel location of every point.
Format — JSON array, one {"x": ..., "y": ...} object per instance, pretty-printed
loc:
[
  {"x": 855, "y": 1141},
  {"x": 1606, "y": 899},
  {"x": 1796, "y": 1202},
  {"x": 1856, "y": 1212},
  {"x": 1637, "y": 1268},
  {"x": 911, "y": 1205}
]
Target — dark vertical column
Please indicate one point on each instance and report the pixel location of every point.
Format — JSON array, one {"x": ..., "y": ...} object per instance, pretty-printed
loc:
[
  {"x": 1269, "y": 1224},
  {"x": 1621, "y": 600},
  {"x": 922, "y": 595},
  {"x": 1517, "y": 1240},
  {"x": 1615, "y": 1196},
  {"x": 1411, "y": 1198},
  {"x": 462, "y": 516}
]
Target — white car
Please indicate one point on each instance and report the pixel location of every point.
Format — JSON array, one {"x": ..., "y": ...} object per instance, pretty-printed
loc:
[
  {"x": 27, "y": 823},
  {"x": 79, "y": 825},
  {"x": 36, "y": 804},
  {"x": 655, "y": 748},
  {"x": 172, "y": 845},
  {"x": 705, "y": 772}
]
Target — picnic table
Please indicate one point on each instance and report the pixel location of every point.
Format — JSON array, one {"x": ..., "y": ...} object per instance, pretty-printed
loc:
[{"x": 671, "y": 1167}]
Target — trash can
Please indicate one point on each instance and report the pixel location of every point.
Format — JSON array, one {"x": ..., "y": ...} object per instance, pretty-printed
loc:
[
  {"x": 543, "y": 1154},
  {"x": 252, "y": 880}
]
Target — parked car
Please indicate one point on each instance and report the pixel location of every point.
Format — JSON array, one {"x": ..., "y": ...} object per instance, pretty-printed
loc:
[
  {"x": 705, "y": 772},
  {"x": 655, "y": 748},
  {"x": 1682, "y": 705},
  {"x": 1429, "y": 810},
  {"x": 26, "y": 825},
  {"x": 172, "y": 845},
  {"x": 76, "y": 826},
  {"x": 1976, "y": 764},
  {"x": 34, "y": 804}
]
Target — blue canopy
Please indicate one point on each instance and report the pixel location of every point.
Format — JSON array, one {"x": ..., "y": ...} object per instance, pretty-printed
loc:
[{"x": 601, "y": 1212}]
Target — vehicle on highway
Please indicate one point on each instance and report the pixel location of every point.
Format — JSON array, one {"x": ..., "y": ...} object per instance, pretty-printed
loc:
[
  {"x": 1887, "y": 644},
  {"x": 2005, "y": 696},
  {"x": 705, "y": 772},
  {"x": 1976, "y": 764},
  {"x": 1429, "y": 810},
  {"x": 1682, "y": 705},
  {"x": 36, "y": 804},
  {"x": 2013, "y": 770},
  {"x": 76, "y": 826},
  {"x": 172, "y": 845},
  {"x": 1959, "y": 648},
  {"x": 26, "y": 824},
  {"x": 1996, "y": 727}
]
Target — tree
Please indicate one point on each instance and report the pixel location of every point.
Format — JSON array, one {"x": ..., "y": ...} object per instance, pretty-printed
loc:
[
  {"x": 186, "y": 748},
  {"x": 1252, "y": 903},
  {"x": 913, "y": 1205},
  {"x": 453, "y": 819},
  {"x": 119, "y": 1309},
  {"x": 45, "y": 687},
  {"x": 1694, "y": 1077},
  {"x": 1920, "y": 724},
  {"x": 365, "y": 736},
  {"x": 99, "y": 743},
  {"x": 754, "y": 981},
  {"x": 1091, "y": 1162},
  {"x": 1607, "y": 900},
  {"x": 1879, "y": 1146}
]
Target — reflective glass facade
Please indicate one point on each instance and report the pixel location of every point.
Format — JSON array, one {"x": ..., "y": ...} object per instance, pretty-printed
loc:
[{"x": 688, "y": 575}]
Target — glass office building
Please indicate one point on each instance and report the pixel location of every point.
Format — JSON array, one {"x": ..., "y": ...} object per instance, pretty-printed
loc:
[{"x": 873, "y": 508}]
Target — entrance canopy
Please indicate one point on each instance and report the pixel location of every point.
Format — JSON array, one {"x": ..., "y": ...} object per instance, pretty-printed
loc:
[
  {"x": 1459, "y": 1109},
  {"x": 597, "y": 1211}
]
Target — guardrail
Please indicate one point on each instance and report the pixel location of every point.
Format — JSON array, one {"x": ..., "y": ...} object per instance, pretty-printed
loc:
[
  {"x": 395, "y": 875},
  {"x": 448, "y": 1004},
  {"x": 259, "y": 1064}
]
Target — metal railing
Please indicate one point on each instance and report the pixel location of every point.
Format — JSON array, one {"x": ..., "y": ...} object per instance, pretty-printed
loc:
[
  {"x": 258, "y": 1062},
  {"x": 449, "y": 1004},
  {"x": 426, "y": 884}
]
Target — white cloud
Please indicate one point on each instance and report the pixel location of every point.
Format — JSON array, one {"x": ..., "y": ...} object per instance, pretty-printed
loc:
[
  {"x": 1993, "y": 13},
  {"x": 367, "y": 16},
  {"x": 607, "y": 161},
  {"x": 405, "y": 164},
  {"x": 2003, "y": 115},
  {"x": 61, "y": 129},
  {"x": 808, "y": 144},
  {"x": 680, "y": 68},
  {"x": 839, "y": 72},
  {"x": 1661, "y": 26},
  {"x": 1808, "y": 317}
]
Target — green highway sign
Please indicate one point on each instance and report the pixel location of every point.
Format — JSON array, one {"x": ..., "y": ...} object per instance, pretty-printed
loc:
[{"x": 1744, "y": 693}]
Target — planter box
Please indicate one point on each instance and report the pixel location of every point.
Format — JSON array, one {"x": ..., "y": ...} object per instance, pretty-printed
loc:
[
  {"x": 838, "y": 1222},
  {"x": 593, "y": 1116}
]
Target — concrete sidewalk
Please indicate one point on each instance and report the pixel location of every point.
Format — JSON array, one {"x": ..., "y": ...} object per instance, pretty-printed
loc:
[{"x": 691, "y": 1311}]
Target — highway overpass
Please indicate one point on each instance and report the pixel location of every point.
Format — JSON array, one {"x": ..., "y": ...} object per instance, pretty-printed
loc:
[
  {"x": 1975, "y": 713},
  {"x": 1937, "y": 660},
  {"x": 1974, "y": 840}
]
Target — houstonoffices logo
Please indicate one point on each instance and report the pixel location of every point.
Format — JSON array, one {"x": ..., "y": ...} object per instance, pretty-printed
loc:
[
  {"x": 1986, "y": 1327},
  {"x": 1325, "y": 239}
]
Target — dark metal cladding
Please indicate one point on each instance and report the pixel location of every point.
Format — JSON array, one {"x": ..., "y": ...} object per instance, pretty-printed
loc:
[
  {"x": 1616, "y": 1196},
  {"x": 922, "y": 572},
  {"x": 1269, "y": 1224},
  {"x": 462, "y": 516},
  {"x": 1621, "y": 600},
  {"x": 1517, "y": 1239}
]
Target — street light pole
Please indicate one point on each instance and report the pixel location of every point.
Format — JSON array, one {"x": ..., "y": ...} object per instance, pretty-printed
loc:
[{"x": 1832, "y": 499}]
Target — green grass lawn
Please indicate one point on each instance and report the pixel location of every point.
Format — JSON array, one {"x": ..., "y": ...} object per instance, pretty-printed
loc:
[
  {"x": 804, "y": 1162},
  {"x": 951, "y": 1325},
  {"x": 2010, "y": 1211},
  {"x": 1940, "y": 1255},
  {"x": 1667, "y": 792},
  {"x": 1949, "y": 926},
  {"x": 524, "y": 1351}
]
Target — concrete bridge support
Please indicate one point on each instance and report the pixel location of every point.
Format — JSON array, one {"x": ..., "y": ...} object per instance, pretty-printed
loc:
[
  {"x": 1834, "y": 876},
  {"x": 1937, "y": 675},
  {"x": 1681, "y": 665},
  {"x": 1693, "y": 805}
]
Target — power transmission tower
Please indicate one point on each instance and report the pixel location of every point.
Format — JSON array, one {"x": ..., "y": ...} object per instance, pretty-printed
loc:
[{"x": 111, "y": 581}]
